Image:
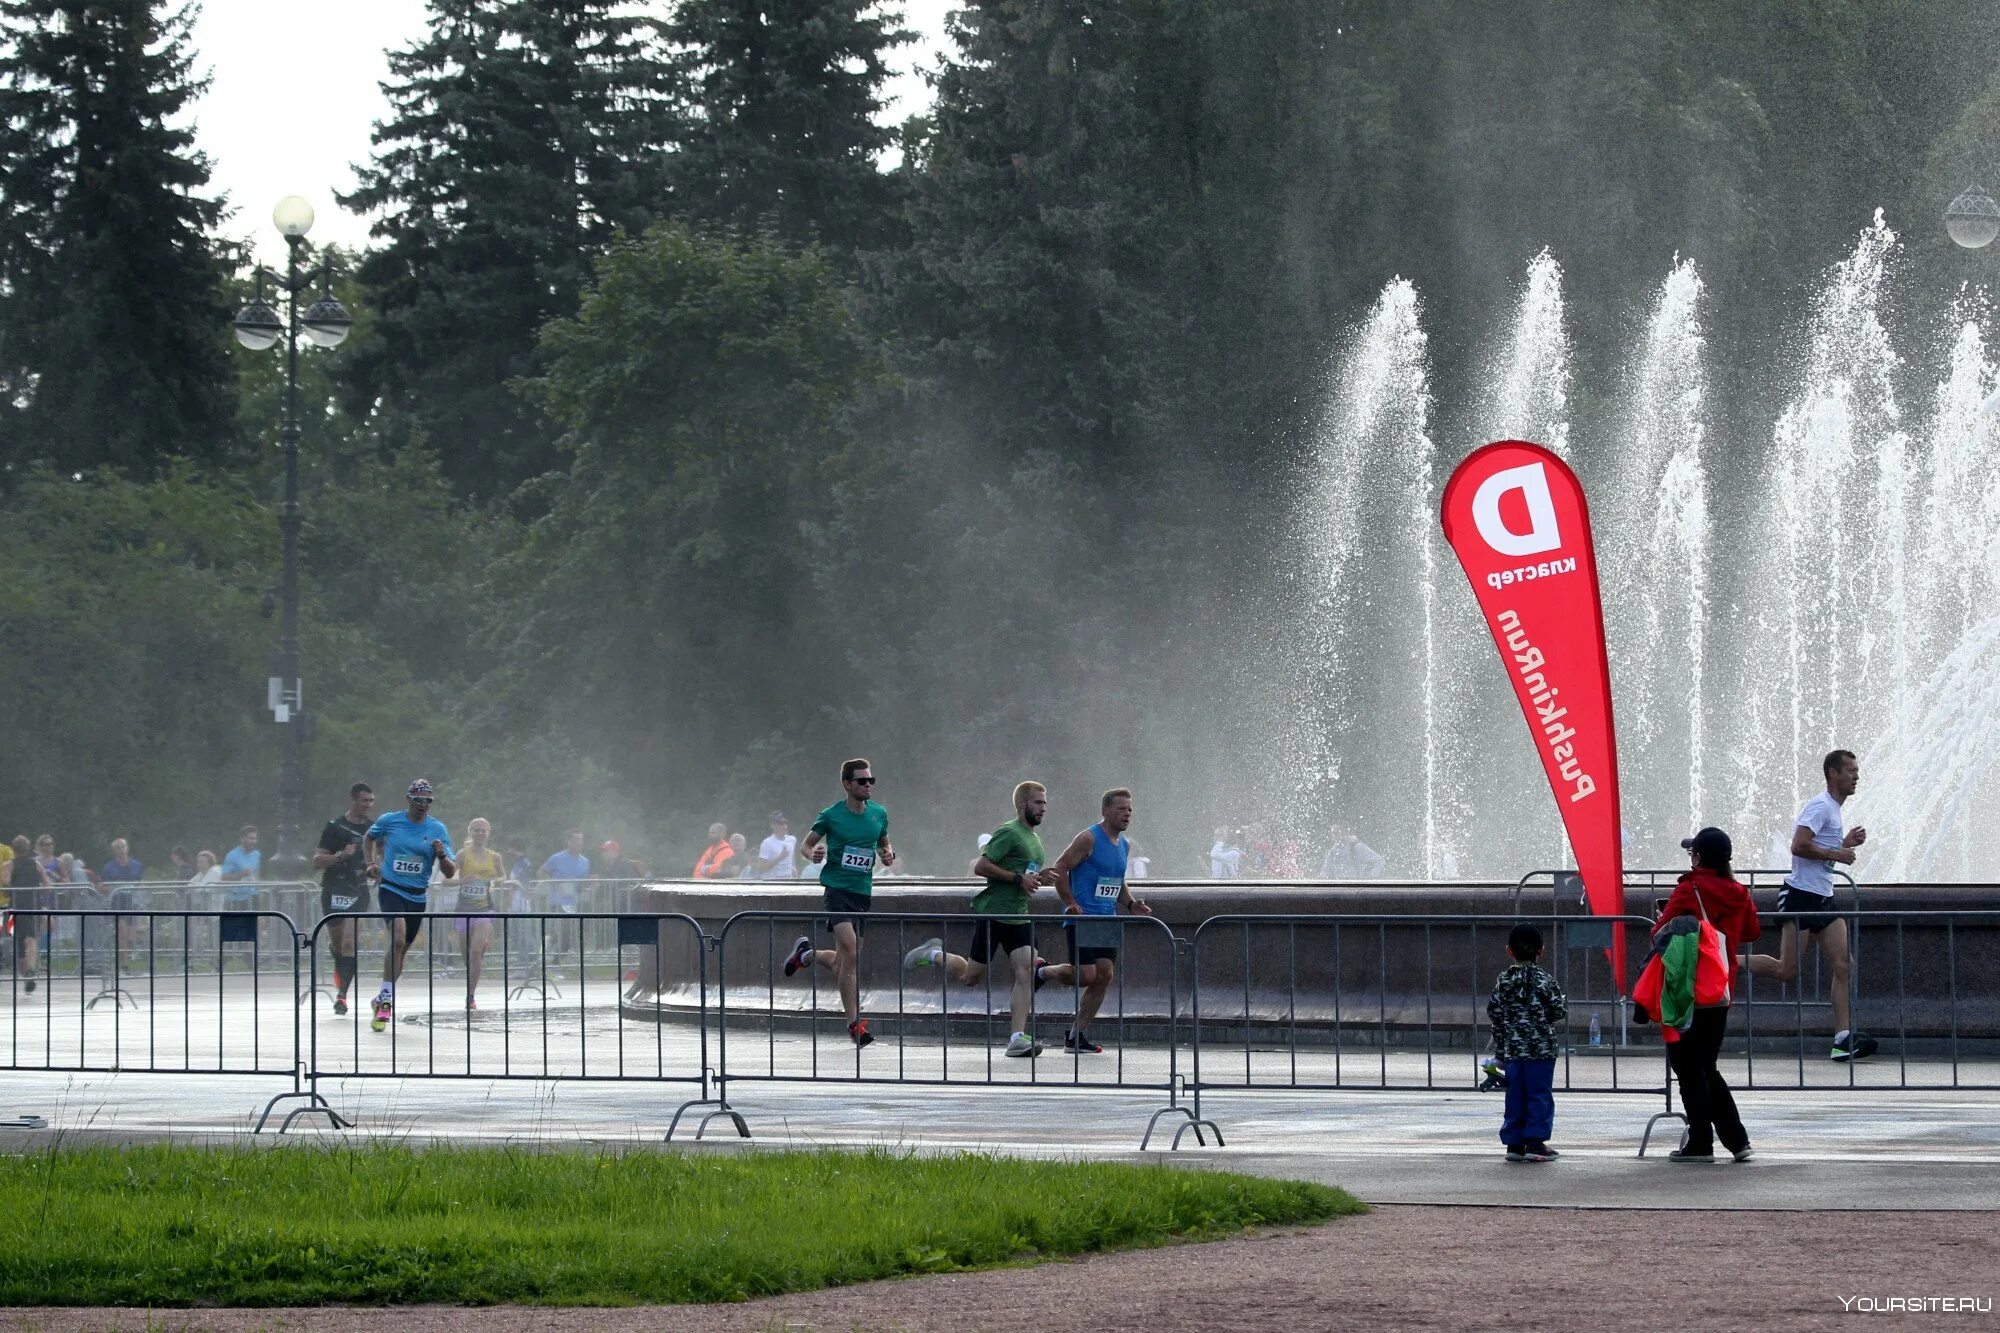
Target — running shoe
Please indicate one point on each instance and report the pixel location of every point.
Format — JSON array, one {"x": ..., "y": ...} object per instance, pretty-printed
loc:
[
  {"x": 1080, "y": 1041},
  {"x": 383, "y": 1009},
  {"x": 1516, "y": 1153},
  {"x": 801, "y": 955},
  {"x": 858, "y": 1030},
  {"x": 470, "y": 1004},
  {"x": 29, "y": 984},
  {"x": 339, "y": 1005},
  {"x": 1743, "y": 1154},
  {"x": 1040, "y": 963},
  {"x": 928, "y": 954},
  {"x": 1696, "y": 1158},
  {"x": 1023, "y": 1047},
  {"x": 1540, "y": 1152},
  {"x": 1858, "y": 1046}
]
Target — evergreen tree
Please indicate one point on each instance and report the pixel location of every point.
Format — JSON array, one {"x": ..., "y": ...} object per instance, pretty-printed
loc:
[
  {"x": 786, "y": 94},
  {"x": 525, "y": 134},
  {"x": 1045, "y": 280},
  {"x": 113, "y": 331}
]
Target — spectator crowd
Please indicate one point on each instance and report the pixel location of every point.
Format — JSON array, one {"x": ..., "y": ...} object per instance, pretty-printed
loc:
[{"x": 35, "y": 872}]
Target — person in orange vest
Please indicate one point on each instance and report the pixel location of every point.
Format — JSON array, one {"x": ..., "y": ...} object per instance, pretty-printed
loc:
[{"x": 718, "y": 854}]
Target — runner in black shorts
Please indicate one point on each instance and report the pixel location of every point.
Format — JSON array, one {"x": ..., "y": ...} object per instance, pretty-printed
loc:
[
  {"x": 1819, "y": 842},
  {"x": 1012, "y": 866},
  {"x": 343, "y": 889},
  {"x": 403, "y": 847},
  {"x": 27, "y": 896},
  {"x": 1090, "y": 880},
  {"x": 850, "y": 836}
]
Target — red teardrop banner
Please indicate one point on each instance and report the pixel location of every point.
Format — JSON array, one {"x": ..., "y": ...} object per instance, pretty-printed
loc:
[{"x": 1516, "y": 517}]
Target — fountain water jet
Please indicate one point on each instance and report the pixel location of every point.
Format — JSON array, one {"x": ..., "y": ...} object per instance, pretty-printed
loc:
[{"x": 1654, "y": 564}]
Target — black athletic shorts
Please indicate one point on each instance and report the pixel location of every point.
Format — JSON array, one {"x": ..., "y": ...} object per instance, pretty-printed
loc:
[
  {"x": 1093, "y": 939},
  {"x": 992, "y": 937},
  {"x": 846, "y": 905},
  {"x": 351, "y": 901},
  {"x": 1803, "y": 901},
  {"x": 394, "y": 905}
]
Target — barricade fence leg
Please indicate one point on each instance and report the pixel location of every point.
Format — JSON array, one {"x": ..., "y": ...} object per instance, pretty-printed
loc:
[
  {"x": 711, "y": 1079},
  {"x": 305, "y": 1079}
]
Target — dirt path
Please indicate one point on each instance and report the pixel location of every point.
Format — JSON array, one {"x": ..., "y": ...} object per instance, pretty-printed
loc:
[{"x": 1397, "y": 1268}]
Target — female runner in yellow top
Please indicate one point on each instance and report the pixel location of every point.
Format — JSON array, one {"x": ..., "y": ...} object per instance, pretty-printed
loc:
[{"x": 479, "y": 869}]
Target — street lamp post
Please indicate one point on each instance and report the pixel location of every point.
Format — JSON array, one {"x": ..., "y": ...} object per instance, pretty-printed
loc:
[{"x": 258, "y": 327}]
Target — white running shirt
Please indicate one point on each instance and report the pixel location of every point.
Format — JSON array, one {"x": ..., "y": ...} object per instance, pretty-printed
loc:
[
  {"x": 1822, "y": 816},
  {"x": 784, "y": 849}
]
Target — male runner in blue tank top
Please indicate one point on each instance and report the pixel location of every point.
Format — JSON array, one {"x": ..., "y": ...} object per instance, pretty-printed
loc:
[
  {"x": 1090, "y": 879},
  {"x": 403, "y": 846}
]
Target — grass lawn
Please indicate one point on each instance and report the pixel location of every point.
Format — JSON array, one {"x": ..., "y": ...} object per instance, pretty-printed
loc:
[{"x": 310, "y": 1225}]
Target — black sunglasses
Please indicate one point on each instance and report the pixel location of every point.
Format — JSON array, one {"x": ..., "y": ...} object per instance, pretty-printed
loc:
[{"x": 863, "y": 782}]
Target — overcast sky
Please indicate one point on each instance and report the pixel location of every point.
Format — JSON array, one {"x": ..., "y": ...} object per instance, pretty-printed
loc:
[{"x": 296, "y": 89}]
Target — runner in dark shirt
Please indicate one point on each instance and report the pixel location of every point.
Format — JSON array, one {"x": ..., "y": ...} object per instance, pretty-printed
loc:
[{"x": 343, "y": 891}]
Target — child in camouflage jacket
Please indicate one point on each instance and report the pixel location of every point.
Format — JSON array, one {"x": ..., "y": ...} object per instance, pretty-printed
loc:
[{"x": 1525, "y": 1008}]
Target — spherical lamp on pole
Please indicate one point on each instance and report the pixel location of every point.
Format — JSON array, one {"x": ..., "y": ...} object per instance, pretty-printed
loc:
[
  {"x": 257, "y": 324},
  {"x": 1973, "y": 219},
  {"x": 293, "y": 217}
]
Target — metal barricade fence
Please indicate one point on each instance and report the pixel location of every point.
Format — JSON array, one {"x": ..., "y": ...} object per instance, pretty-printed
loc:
[
  {"x": 1338, "y": 1002},
  {"x": 584, "y": 935},
  {"x": 1566, "y": 894},
  {"x": 1396, "y": 1003},
  {"x": 205, "y": 994},
  {"x": 204, "y": 903},
  {"x": 1913, "y": 974},
  {"x": 444, "y": 1027},
  {"x": 934, "y": 1031},
  {"x": 1566, "y": 886}
]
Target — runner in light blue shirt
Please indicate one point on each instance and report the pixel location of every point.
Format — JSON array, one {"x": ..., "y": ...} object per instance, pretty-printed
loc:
[{"x": 403, "y": 847}]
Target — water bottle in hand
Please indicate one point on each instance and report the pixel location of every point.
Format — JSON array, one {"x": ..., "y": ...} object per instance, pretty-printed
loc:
[{"x": 1596, "y": 1030}]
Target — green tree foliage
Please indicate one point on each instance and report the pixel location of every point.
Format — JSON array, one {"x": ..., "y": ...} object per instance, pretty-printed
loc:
[
  {"x": 524, "y": 135},
  {"x": 112, "y": 324},
  {"x": 664, "y": 601},
  {"x": 783, "y": 133},
  {"x": 138, "y": 648},
  {"x": 985, "y": 466},
  {"x": 1040, "y": 288}
]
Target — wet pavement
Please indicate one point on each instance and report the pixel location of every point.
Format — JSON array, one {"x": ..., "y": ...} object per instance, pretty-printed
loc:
[{"x": 567, "y": 1068}]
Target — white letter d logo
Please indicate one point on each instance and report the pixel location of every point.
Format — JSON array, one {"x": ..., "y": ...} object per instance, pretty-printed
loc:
[{"x": 1533, "y": 483}]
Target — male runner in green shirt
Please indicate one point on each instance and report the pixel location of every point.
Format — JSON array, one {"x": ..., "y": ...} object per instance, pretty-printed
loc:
[
  {"x": 1012, "y": 865},
  {"x": 849, "y": 836}
]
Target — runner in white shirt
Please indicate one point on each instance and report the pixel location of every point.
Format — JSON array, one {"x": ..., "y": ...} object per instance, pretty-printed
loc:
[
  {"x": 777, "y": 855},
  {"x": 1818, "y": 844}
]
